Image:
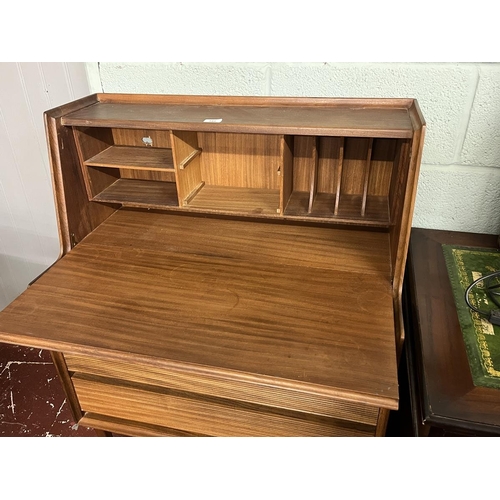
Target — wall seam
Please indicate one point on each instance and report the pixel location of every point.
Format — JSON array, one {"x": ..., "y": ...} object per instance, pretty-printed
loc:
[
  {"x": 466, "y": 118},
  {"x": 269, "y": 76},
  {"x": 465, "y": 167},
  {"x": 100, "y": 77},
  {"x": 69, "y": 83}
]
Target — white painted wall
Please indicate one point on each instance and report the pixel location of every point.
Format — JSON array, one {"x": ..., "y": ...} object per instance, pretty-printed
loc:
[
  {"x": 459, "y": 187},
  {"x": 28, "y": 229}
]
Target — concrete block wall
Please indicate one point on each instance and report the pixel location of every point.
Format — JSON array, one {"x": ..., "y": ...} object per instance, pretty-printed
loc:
[{"x": 459, "y": 185}]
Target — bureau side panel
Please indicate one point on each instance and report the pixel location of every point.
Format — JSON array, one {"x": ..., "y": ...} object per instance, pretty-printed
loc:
[{"x": 76, "y": 216}]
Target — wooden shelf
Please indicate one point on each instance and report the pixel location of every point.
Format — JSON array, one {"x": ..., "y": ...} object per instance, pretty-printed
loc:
[
  {"x": 134, "y": 158},
  {"x": 376, "y": 213},
  {"x": 247, "y": 201},
  {"x": 236, "y": 199},
  {"x": 140, "y": 193}
]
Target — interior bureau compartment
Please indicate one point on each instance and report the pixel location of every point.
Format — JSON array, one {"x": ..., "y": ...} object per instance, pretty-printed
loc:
[{"x": 230, "y": 266}]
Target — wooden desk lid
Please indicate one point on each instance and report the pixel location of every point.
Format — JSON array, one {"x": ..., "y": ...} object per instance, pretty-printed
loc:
[{"x": 304, "y": 307}]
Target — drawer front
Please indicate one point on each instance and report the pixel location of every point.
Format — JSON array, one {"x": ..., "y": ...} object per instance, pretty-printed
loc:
[
  {"x": 199, "y": 416},
  {"x": 211, "y": 385},
  {"x": 124, "y": 427}
]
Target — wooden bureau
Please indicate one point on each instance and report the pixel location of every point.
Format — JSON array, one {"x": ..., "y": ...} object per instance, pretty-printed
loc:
[{"x": 230, "y": 266}]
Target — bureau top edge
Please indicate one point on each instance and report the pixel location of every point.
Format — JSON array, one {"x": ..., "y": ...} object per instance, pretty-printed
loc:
[{"x": 297, "y": 116}]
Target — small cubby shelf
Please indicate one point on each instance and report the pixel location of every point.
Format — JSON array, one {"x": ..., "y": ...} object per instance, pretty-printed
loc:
[
  {"x": 343, "y": 178},
  {"x": 252, "y": 201},
  {"x": 139, "y": 193},
  {"x": 133, "y": 158},
  {"x": 323, "y": 207},
  {"x": 317, "y": 178}
]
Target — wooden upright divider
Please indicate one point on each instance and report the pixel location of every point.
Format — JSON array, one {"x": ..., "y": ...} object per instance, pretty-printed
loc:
[
  {"x": 258, "y": 245},
  {"x": 186, "y": 154},
  {"x": 90, "y": 142},
  {"x": 313, "y": 181},
  {"x": 286, "y": 186},
  {"x": 366, "y": 177},
  {"x": 338, "y": 176},
  {"x": 142, "y": 138},
  {"x": 329, "y": 174}
]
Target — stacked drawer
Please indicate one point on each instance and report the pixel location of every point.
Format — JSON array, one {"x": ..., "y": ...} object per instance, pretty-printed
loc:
[{"x": 147, "y": 399}]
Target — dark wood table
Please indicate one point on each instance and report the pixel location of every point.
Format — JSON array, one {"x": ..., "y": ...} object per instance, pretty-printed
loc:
[{"x": 443, "y": 398}]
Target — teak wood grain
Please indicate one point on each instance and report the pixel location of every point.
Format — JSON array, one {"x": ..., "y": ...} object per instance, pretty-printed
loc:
[
  {"x": 354, "y": 165},
  {"x": 240, "y": 160},
  {"x": 212, "y": 418},
  {"x": 286, "y": 171},
  {"x": 291, "y": 304},
  {"x": 329, "y": 163},
  {"x": 347, "y": 122},
  {"x": 76, "y": 217},
  {"x": 131, "y": 157},
  {"x": 348, "y": 208},
  {"x": 140, "y": 193},
  {"x": 237, "y": 199},
  {"x": 131, "y": 428},
  {"x": 257, "y": 271},
  {"x": 189, "y": 180},
  {"x": 405, "y": 202},
  {"x": 135, "y": 137},
  {"x": 244, "y": 391},
  {"x": 305, "y": 162},
  {"x": 148, "y": 175},
  {"x": 381, "y": 165}
]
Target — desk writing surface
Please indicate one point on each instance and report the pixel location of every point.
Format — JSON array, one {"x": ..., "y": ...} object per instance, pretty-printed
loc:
[{"x": 311, "y": 306}]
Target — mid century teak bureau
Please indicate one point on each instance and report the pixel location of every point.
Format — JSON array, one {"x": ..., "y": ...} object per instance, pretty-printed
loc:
[{"x": 230, "y": 266}]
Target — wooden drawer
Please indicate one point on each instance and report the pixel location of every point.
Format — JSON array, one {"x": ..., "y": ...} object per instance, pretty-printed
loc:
[
  {"x": 235, "y": 390},
  {"x": 200, "y": 415}
]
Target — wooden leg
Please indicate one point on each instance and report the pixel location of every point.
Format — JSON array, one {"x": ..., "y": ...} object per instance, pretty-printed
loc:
[
  {"x": 62, "y": 371},
  {"x": 383, "y": 418}
]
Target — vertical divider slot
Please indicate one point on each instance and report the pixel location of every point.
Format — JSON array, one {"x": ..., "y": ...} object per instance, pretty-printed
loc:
[
  {"x": 366, "y": 177},
  {"x": 313, "y": 181},
  {"x": 89, "y": 142},
  {"x": 185, "y": 151},
  {"x": 338, "y": 176},
  {"x": 286, "y": 181}
]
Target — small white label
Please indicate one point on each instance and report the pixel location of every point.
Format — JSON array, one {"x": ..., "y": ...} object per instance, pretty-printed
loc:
[{"x": 212, "y": 120}]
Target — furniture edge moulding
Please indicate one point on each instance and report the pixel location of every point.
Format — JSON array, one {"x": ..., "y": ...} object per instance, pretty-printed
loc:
[
  {"x": 223, "y": 375},
  {"x": 262, "y": 101},
  {"x": 109, "y": 101},
  {"x": 399, "y": 264},
  {"x": 75, "y": 216}
]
